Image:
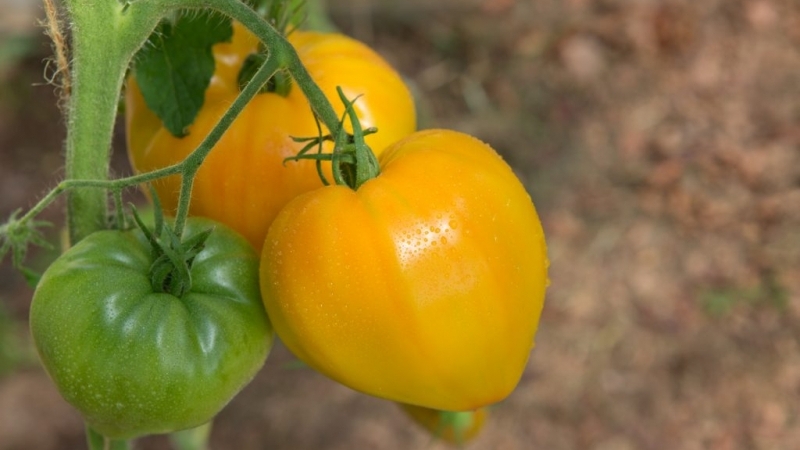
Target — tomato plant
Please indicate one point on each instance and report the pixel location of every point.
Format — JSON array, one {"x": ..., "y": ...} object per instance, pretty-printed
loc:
[
  {"x": 423, "y": 286},
  {"x": 453, "y": 427},
  {"x": 134, "y": 360},
  {"x": 419, "y": 277},
  {"x": 244, "y": 182}
]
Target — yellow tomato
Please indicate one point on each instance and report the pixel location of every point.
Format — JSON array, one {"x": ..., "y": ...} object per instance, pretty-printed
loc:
[
  {"x": 243, "y": 181},
  {"x": 424, "y": 286}
]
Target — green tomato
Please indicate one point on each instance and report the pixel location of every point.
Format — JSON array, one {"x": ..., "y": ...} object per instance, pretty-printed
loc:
[{"x": 134, "y": 361}]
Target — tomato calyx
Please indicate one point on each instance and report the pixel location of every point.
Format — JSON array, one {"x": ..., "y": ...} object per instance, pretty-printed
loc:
[
  {"x": 170, "y": 272},
  {"x": 352, "y": 161},
  {"x": 280, "y": 83},
  {"x": 458, "y": 421},
  {"x": 455, "y": 427},
  {"x": 285, "y": 16}
]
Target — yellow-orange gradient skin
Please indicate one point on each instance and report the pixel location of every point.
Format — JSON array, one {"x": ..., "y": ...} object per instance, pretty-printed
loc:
[
  {"x": 243, "y": 181},
  {"x": 424, "y": 287}
]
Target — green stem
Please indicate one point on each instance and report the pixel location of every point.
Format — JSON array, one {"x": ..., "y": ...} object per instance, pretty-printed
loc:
[
  {"x": 118, "y": 208},
  {"x": 106, "y": 35},
  {"x": 187, "y": 168},
  {"x": 97, "y": 441},
  {"x": 104, "y": 39},
  {"x": 193, "y": 162},
  {"x": 366, "y": 163},
  {"x": 192, "y": 439},
  {"x": 96, "y": 185}
]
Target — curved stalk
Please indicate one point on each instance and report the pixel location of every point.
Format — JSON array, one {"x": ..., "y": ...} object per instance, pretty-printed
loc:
[
  {"x": 105, "y": 36},
  {"x": 192, "y": 163},
  {"x": 187, "y": 168}
]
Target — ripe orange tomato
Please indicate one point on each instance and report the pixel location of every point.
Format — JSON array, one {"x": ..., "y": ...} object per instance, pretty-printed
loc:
[
  {"x": 243, "y": 181},
  {"x": 453, "y": 427},
  {"x": 424, "y": 286}
]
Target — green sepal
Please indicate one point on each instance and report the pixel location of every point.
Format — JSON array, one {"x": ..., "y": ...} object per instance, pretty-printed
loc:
[
  {"x": 284, "y": 15},
  {"x": 172, "y": 257},
  {"x": 15, "y": 237},
  {"x": 279, "y": 83},
  {"x": 458, "y": 421},
  {"x": 32, "y": 277},
  {"x": 366, "y": 165},
  {"x": 353, "y": 162}
]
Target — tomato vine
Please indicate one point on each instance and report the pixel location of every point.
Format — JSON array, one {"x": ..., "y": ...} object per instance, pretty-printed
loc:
[{"x": 102, "y": 55}]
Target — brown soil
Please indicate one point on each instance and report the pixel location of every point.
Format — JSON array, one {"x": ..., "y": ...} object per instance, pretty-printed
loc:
[{"x": 660, "y": 141}]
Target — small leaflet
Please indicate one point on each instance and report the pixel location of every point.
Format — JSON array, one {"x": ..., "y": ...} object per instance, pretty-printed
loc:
[{"x": 175, "y": 66}]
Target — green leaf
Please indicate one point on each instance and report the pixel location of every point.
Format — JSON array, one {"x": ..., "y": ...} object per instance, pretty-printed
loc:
[{"x": 175, "y": 66}]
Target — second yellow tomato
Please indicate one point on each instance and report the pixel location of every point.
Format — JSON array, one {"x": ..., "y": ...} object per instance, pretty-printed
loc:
[{"x": 243, "y": 181}]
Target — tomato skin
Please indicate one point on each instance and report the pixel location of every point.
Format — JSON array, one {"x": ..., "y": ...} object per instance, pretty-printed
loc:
[
  {"x": 424, "y": 286},
  {"x": 243, "y": 181},
  {"x": 453, "y": 427},
  {"x": 136, "y": 362}
]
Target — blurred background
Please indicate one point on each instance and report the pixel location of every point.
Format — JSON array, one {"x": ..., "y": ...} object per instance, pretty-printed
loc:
[{"x": 660, "y": 142}]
